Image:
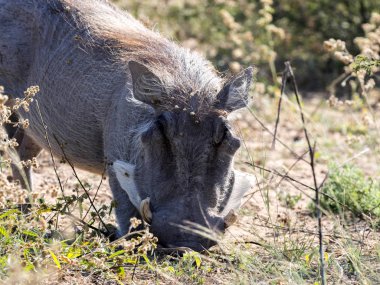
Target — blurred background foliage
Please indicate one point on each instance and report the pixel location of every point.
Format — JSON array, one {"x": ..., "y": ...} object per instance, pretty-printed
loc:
[{"x": 233, "y": 34}]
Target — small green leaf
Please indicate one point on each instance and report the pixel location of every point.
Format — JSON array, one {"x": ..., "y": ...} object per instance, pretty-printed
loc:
[
  {"x": 44, "y": 210},
  {"x": 117, "y": 253},
  {"x": 8, "y": 213},
  {"x": 4, "y": 232},
  {"x": 29, "y": 267},
  {"x": 148, "y": 262},
  {"x": 74, "y": 252},
  {"x": 198, "y": 260},
  {"x": 130, "y": 261},
  {"x": 29, "y": 233},
  {"x": 56, "y": 261},
  {"x": 121, "y": 272}
]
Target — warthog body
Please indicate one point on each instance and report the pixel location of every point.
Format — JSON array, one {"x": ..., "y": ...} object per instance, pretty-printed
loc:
[{"x": 114, "y": 93}]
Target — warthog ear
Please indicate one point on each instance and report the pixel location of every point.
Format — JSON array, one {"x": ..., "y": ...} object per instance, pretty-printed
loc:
[
  {"x": 125, "y": 175},
  {"x": 243, "y": 183},
  {"x": 147, "y": 87},
  {"x": 234, "y": 94}
]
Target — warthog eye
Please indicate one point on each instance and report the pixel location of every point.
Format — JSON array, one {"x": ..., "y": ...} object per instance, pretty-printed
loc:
[
  {"x": 225, "y": 141},
  {"x": 219, "y": 132},
  {"x": 219, "y": 135}
]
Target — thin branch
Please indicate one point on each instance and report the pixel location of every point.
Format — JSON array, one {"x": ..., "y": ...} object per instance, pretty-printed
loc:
[
  {"x": 97, "y": 189},
  {"x": 289, "y": 69},
  {"x": 291, "y": 167},
  {"x": 277, "y": 139},
  {"x": 284, "y": 176},
  {"x": 50, "y": 148},
  {"x": 285, "y": 76}
]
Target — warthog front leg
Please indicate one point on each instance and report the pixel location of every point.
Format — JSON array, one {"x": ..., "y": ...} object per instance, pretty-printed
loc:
[{"x": 27, "y": 149}]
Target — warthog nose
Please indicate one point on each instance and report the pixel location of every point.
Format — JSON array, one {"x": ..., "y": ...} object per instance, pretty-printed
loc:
[{"x": 219, "y": 225}]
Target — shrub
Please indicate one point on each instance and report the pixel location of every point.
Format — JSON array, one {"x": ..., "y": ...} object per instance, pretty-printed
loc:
[
  {"x": 348, "y": 189},
  {"x": 265, "y": 33}
]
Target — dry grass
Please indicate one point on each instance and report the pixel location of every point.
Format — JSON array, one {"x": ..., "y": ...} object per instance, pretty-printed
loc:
[{"x": 275, "y": 240}]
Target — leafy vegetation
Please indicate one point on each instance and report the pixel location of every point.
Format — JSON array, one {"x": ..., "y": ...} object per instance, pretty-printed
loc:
[
  {"x": 349, "y": 190},
  {"x": 266, "y": 32}
]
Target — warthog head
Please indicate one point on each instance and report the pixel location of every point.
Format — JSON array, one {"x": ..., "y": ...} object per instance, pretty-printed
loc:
[{"x": 183, "y": 180}]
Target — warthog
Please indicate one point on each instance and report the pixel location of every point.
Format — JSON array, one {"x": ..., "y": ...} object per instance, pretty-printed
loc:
[{"x": 115, "y": 93}]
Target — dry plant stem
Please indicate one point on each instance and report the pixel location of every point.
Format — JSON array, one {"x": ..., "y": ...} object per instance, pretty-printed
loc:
[
  {"x": 285, "y": 76},
  {"x": 50, "y": 149},
  {"x": 81, "y": 184},
  {"x": 245, "y": 242},
  {"x": 283, "y": 176},
  {"x": 277, "y": 139},
  {"x": 97, "y": 189},
  {"x": 290, "y": 168},
  {"x": 250, "y": 157},
  {"x": 134, "y": 268},
  {"x": 289, "y": 70},
  {"x": 320, "y": 104},
  {"x": 84, "y": 223}
]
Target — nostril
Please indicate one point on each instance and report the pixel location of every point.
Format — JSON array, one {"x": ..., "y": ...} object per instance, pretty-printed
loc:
[{"x": 219, "y": 226}]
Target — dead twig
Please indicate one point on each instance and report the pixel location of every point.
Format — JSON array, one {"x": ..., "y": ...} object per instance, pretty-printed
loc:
[
  {"x": 312, "y": 148},
  {"x": 277, "y": 139},
  {"x": 97, "y": 189},
  {"x": 284, "y": 176},
  {"x": 50, "y": 149},
  {"x": 285, "y": 76}
]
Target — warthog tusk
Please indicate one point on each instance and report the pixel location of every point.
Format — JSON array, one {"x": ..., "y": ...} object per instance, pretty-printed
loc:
[
  {"x": 230, "y": 218},
  {"x": 145, "y": 211}
]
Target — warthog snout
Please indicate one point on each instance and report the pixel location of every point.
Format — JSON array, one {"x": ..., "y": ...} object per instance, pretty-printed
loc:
[
  {"x": 199, "y": 232},
  {"x": 146, "y": 214},
  {"x": 203, "y": 241}
]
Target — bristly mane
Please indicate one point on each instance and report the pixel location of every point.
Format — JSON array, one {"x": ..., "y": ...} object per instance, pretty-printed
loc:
[{"x": 184, "y": 73}]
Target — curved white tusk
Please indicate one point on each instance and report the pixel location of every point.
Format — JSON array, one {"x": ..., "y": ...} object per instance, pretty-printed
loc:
[
  {"x": 145, "y": 211},
  {"x": 230, "y": 218}
]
